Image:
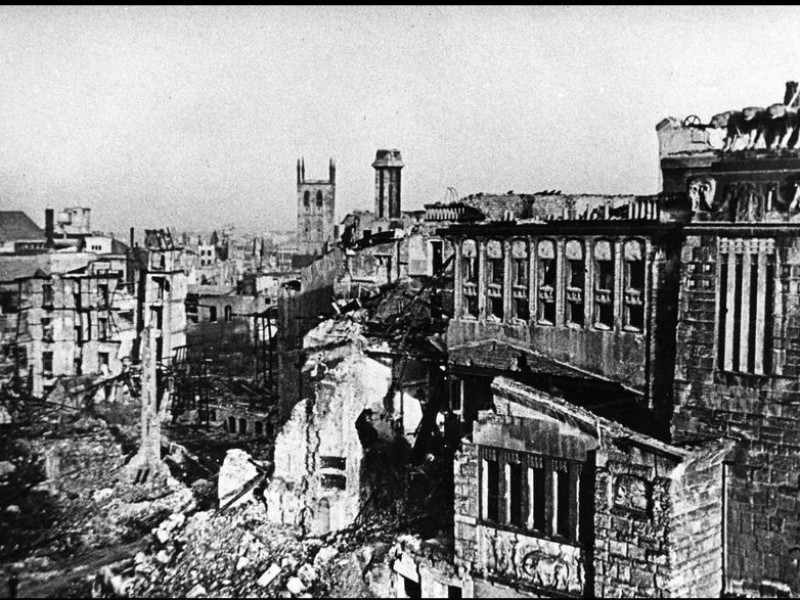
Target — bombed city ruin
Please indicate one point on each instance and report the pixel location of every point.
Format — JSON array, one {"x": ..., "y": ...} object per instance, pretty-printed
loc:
[{"x": 481, "y": 395}]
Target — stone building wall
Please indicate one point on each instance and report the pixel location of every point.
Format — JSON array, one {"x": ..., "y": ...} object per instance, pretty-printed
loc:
[
  {"x": 316, "y": 484},
  {"x": 759, "y": 410}
]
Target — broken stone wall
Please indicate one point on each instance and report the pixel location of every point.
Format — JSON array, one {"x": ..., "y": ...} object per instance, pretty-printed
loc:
[
  {"x": 760, "y": 411},
  {"x": 316, "y": 484},
  {"x": 697, "y": 510}
]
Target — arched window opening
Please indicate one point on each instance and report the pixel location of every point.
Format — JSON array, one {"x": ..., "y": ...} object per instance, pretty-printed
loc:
[
  {"x": 546, "y": 256},
  {"x": 576, "y": 282},
  {"x": 604, "y": 278},
  {"x": 634, "y": 285},
  {"x": 495, "y": 271},
  {"x": 519, "y": 279}
]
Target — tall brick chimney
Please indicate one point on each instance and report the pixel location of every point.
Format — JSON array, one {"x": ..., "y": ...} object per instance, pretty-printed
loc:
[{"x": 49, "y": 227}]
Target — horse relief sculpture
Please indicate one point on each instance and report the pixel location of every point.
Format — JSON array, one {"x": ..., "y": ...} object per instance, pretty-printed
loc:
[
  {"x": 776, "y": 126},
  {"x": 551, "y": 571},
  {"x": 543, "y": 563}
]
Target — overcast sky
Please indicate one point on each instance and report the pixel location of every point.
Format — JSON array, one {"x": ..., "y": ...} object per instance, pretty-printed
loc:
[{"x": 193, "y": 117}]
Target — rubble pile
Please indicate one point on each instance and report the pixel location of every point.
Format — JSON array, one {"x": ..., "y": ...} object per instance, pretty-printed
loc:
[
  {"x": 66, "y": 503},
  {"x": 237, "y": 553}
]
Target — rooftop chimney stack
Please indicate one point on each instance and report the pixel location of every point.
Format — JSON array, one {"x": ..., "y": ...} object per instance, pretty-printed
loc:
[{"x": 49, "y": 227}]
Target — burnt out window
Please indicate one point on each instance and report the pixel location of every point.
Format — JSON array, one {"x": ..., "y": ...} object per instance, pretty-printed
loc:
[
  {"x": 47, "y": 295},
  {"x": 47, "y": 363},
  {"x": 546, "y": 259},
  {"x": 334, "y": 481},
  {"x": 519, "y": 279},
  {"x": 634, "y": 285},
  {"x": 491, "y": 475},
  {"x": 319, "y": 199},
  {"x": 604, "y": 278},
  {"x": 47, "y": 329},
  {"x": 102, "y": 328},
  {"x": 469, "y": 275},
  {"x": 495, "y": 273},
  {"x": 576, "y": 282},
  {"x": 103, "y": 295},
  {"x": 306, "y": 199},
  {"x": 531, "y": 492},
  {"x": 332, "y": 462}
]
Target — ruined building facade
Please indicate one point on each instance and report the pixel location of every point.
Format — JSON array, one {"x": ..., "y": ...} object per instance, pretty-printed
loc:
[
  {"x": 316, "y": 205},
  {"x": 626, "y": 375}
]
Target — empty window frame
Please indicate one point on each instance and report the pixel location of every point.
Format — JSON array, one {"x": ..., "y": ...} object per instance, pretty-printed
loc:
[
  {"x": 576, "y": 282},
  {"x": 319, "y": 199},
  {"x": 47, "y": 363},
  {"x": 47, "y": 294},
  {"x": 495, "y": 273},
  {"x": 633, "y": 310},
  {"x": 306, "y": 199},
  {"x": 547, "y": 275},
  {"x": 103, "y": 295},
  {"x": 520, "y": 266},
  {"x": 469, "y": 275},
  {"x": 531, "y": 492},
  {"x": 604, "y": 278},
  {"x": 47, "y": 329},
  {"x": 102, "y": 328}
]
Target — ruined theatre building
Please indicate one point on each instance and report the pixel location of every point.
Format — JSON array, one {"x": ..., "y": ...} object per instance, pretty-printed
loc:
[{"x": 626, "y": 373}]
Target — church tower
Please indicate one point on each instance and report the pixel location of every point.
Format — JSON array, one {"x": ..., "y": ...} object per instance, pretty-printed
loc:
[
  {"x": 387, "y": 165},
  {"x": 316, "y": 203}
]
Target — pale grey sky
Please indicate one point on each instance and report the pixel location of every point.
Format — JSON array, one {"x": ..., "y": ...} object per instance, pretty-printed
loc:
[{"x": 193, "y": 117}]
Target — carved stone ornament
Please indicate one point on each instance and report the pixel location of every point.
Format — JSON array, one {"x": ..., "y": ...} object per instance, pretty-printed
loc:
[
  {"x": 544, "y": 563},
  {"x": 701, "y": 193}
]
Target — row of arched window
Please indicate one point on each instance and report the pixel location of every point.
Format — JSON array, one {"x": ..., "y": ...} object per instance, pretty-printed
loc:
[
  {"x": 557, "y": 278},
  {"x": 307, "y": 199}
]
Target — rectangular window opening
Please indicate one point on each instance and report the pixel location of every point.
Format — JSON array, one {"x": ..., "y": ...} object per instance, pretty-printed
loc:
[
  {"x": 516, "y": 516},
  {"x": 537, "y": 495},
  {"x": 562, "y": 503},
  {"x": 522, "y": 310},
  {"x": 493, "y": 490}
]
